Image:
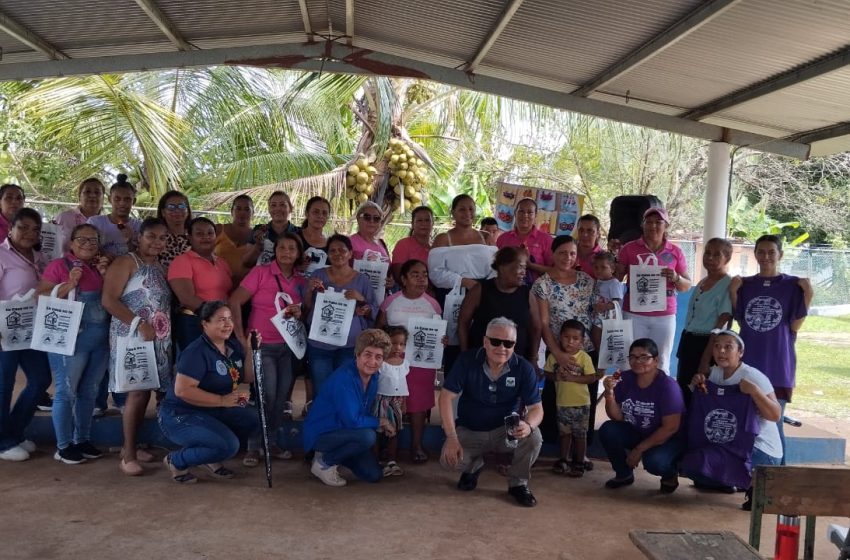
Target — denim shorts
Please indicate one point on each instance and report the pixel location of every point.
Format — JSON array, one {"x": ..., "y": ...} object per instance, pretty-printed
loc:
[{"x": 573, "y": 420}]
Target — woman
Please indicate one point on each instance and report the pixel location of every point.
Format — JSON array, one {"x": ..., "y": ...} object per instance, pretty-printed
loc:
[
  {"x": 645, "y": 408},
  {"x": 417, "y": 244},
  {"x": 562, "y": 293},
  {"x": 709, "y": 308},
  {"x": 265, "y": 236},
  {"x": 313, "y": 239},
  {"x": 174, "y": 210},
  {"x": 325, "y": 358},
  {"x": 118, "y": 231},
  {"x": 232, "y": 240},
  {"x": 340, "y": 426},
  {"x": 90, "y": 195},
  {"x": 77, "y": 378},
  {"x": 730, "y": 462},
  {"x": 537, "y": 244},
  {"x": 588, "y": 234},
  {"x": 770, "y": 307},
  {"x": 413, "y": 301},
  {"x": 506, "y": 295},
  {"x": 278, "y": 283},
  {"x": 12, "y": 199},
  {"x": 20, "y": 268},
  {"x": 660, "y": 326},
  {"x": 365, "y": 242},
  {"x": 204, "y": 413},
  {"x": 197, "y": 276},
  {"x": 135, "y": 286}
]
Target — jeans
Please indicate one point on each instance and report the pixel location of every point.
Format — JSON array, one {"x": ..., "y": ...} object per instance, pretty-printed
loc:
[
  {"x": 277, "y": 379},
  {"x": 14, "y": 420},
  {"x": 618, "y": 438},
  {"x": 351, "y": 448},
  {"x": 781, "y": 425},
  {"x": 761, "y": 458},
  {"x": 324, "y": 362},
  {"x": 476, "y": 443},
  {"x": 77, "y": 379},
  {"x": 207, "y": 436}
]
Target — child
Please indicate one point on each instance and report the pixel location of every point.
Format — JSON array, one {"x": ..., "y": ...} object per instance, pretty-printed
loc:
[
  {"x": 606, "y": 292},
  {"x": 392, "y": 393},
  {"x": 572, "y": 397}
]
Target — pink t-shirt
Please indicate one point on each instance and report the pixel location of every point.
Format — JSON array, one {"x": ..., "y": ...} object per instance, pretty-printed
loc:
[
  {"x": 68, "y": 220},
  {"x": 58, "y": 272},
  {"x": 212, "y": 280},
  {"x": 398, "y": 308},
  {"x": 5, "y": 226},
  {"x": 17, "y": 274},
  {"x": 669, "y": 256},
  {"x": 586, "y": 264},
  {"x": 408, "y": 248},
  {"x": 266, "y": 282},
  {"x": 537, "y": 243},
  {"x": 372, "y": 251}
]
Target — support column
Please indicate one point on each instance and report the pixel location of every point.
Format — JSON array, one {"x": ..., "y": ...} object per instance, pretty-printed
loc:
[{"x": 717, "y": 192}]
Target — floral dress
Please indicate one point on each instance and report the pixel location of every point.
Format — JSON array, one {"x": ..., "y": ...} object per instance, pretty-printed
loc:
[
  {"x": 567, "y": 301},
  {"x": 148, "y": 295}
]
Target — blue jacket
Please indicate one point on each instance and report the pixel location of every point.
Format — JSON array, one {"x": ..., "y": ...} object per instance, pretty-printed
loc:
[{"x": 341, "y": 404}]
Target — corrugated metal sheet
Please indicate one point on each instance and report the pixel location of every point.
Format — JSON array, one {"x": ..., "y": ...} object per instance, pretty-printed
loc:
[
  {"x": 575, "y": 40},
  {"x": 9, "y": 44},
  {"x": 750, "y": 42},
  {"x": 213, "y": 18}
]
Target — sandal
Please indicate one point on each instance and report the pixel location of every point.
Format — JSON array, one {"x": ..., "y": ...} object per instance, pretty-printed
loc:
[
  {"x": 588, "y": 465},
  {"x": 182, "y": 477},
  {"x": 669, "y": 484},
  {"x": 576, "y": 470},
  {"x": 251, "y": 459},
  {"x": 133, "y": 468},
  {"x": 561, "y": 467},
  {"x": 279, "y": 453},
  {"x": 218, "y": 471},
  {"x": 420, "y": 457}
]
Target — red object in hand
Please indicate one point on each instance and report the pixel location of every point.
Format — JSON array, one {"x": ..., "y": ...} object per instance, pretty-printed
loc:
[
  {"x": 787, "y": 537},
  {"x": 617, "y": 375},
  {"x": 242, "y": 400},
  {"x": 703, "y": 388}
]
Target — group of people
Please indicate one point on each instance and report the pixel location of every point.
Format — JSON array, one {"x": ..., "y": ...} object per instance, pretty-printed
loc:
[{"x": 206, "y": 287}]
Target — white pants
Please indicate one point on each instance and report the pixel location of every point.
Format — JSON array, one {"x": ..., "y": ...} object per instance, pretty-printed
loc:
[{"x": 662, "y": 330}]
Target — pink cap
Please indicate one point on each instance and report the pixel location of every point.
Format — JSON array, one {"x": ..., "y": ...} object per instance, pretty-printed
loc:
[{"x": 662, "y": 213}]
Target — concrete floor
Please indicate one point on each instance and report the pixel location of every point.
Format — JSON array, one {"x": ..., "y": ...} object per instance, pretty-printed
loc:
[{"x": 51, "y": 510}]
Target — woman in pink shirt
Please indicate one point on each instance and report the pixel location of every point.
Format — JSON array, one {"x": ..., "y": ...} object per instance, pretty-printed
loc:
[
  {"x": 90, "y": 195},
  {"x": 20, "y": 268},
  {"x": 268, "y": 286},
  {"x": 537, "y": 244},
  {"x": 365, "y": 243},
  {"x": 12, "y": 199},
  {"x": 417, "y": 244}
]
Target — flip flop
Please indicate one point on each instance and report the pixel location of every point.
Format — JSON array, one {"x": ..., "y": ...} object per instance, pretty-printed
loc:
[
  {"x": 133, "y": 468},
  {"x": 420, "y": 457},
  {"x": 219, "y": 471},
  {"x": 181, "y": 477}
]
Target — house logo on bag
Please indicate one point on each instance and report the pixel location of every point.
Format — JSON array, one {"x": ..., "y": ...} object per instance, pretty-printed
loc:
[
  {"x": 51, "y": 321},
  {"x": 419, "y": 338},
  {"x": 130, "y": 361},
  {"x": 642, "y": 285},
  {"x": 13, "y": 320},
  {"x": 327, "y": 312}
]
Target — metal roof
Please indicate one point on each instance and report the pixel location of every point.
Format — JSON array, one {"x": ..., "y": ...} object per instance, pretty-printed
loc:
[{"x": 770, "y": 74}]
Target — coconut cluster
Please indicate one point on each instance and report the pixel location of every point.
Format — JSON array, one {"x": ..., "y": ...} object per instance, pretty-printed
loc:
[
  {"x": 407, "y": 175},
  {"x": 360, "y": 180}
]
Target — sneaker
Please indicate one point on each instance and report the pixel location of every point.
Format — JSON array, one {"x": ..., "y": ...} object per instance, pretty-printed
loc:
[
  {"x": 328, "y": 475},
  {"x": 45, "y": 403},
  {"x": 98, "y": 413},
  {"x": 16, "y": 454},
  {"x": 89, "y": 451},
  {"x": 394, "y": 469},
  {"x": 70, "y": 455},
  {"x": 469, "y": 481},
  {"x": 28, "y": 446}
]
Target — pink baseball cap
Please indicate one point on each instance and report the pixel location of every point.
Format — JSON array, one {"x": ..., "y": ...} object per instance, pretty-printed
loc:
[{"x": 662, "y": 213}]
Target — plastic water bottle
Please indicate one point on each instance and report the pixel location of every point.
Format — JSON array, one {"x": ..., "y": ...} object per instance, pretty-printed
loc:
[
  {"x": 787, "y": 537},
  {"x": 511, "y": 423}
]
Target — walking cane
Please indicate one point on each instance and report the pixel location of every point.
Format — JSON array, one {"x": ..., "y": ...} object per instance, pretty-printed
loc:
[{"x": 259, "y": 389}]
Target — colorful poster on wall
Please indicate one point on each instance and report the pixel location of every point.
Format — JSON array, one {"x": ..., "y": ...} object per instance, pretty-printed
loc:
[{"x": 557, "y": 212}]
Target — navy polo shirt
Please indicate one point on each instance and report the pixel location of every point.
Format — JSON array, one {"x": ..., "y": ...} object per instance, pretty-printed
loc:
[
  {"x": 202, "y": 361},
  {"x": 483, "y": 403}
]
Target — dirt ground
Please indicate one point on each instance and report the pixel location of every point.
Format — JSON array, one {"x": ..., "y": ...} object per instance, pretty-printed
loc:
[{"x": 50, "y": 510}]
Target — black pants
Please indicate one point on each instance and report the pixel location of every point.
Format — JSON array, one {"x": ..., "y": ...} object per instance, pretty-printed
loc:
[{"x": 691, "y": 347}]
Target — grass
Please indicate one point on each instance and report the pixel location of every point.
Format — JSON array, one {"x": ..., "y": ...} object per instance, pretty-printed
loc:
[
  {"x": 827, "y": 324},
  {"x": 823, "y": 369}
]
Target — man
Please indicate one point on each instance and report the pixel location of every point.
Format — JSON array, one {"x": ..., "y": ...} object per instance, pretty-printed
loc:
[{"x": 492, "y": 383}]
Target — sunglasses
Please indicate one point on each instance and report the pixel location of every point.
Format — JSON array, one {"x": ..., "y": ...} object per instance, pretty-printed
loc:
[
  {"x": 174, "y": 207},
  {"x": 501, "y": 342},
  {"x": 370, "y": 218}
]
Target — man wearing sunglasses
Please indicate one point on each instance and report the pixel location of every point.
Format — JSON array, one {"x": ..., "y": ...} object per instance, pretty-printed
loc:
[{"x": 493, "y": 384}]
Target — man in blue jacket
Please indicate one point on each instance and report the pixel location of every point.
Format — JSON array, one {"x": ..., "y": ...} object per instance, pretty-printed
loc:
[
  {"x": 499, "y": 410},
  {"x": 340, "y": 426}
]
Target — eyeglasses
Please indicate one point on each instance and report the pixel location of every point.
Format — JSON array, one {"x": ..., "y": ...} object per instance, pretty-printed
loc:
[
  {"x": 175, "y": 207},
  {"x": 501, "y": 342},
  {"x": 370, "y": 218},
  {"x": 492, "y": 387},
  {"x": 86, "y": 240},
  {"x": 642, "y": 359}
]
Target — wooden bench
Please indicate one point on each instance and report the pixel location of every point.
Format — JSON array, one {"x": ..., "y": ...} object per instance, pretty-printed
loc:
[
  {"x": 693, "y": 545},
  {"x": 803, "y": 491}
]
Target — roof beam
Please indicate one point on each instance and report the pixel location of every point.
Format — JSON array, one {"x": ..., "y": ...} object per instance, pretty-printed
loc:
[
  {"x": 819, "y": 67},
  {"x": 349, "y": 22},
  {"x": 818, "y": 134},
  {"x": 305, "y": 17},
  {"x": 505, "y": 18},
  {"x": 692, "y": 21},
  {"x": 161, "y": 20},
  {"x": 30, "y": 39}
]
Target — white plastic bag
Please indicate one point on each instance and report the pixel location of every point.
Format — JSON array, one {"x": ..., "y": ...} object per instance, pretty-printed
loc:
[
  {"x": 616, "y": 338},
  {"x": 647, "y": 286},
  {"x": 425, "y": 342},
  {"x": 16, "y": 322},
  {"x": 332, "y": 317},
  {"x": 451, "y": 312},
  {"x": 290, "y": 328},
  {"x": 52, "y": 241},
  {"x": 135, "y": 363},
  {"x": 57, "y": 323},
  {"x": 377, "y": 273}
]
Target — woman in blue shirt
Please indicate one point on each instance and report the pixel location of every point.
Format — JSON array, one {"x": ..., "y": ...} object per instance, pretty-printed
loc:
[{"x": 204, "y": 413}]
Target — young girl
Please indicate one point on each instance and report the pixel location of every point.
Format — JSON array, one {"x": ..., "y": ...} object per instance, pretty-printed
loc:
[{"x": 392, "y": 394}]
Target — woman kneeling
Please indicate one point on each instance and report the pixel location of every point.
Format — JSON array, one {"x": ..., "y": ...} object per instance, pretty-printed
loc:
[{"x": 204, "y": 413}]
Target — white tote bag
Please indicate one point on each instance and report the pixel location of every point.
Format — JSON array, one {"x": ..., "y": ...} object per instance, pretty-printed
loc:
[
  {"x": 135, "y": 363},
  {"x": 290, "y": 328},
  {"x": 647, "y": 286},
  {"x": 617, "y": 336},
  {"x": 57, "y": 323},
  {"x": 332, "y": 317},
  {"x": 451, "y": 312},
  {"x": 16, "y": 322},
  {"x": 376, "y": 271},
  {"x": 52, "y": 241},
  {"x": 425, "y": 342}
]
